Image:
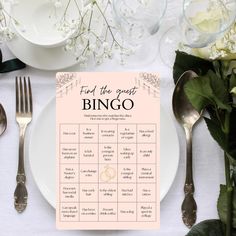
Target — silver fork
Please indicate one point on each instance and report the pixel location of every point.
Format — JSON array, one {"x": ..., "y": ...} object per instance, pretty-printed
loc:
[{"x": 24, "y": 111}]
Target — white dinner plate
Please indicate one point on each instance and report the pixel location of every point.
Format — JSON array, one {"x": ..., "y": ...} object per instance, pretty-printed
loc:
[{"x": 42, "y": 153}]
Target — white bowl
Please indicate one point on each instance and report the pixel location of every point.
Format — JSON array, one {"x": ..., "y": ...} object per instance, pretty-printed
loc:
[{"x": 38, "y": 21}]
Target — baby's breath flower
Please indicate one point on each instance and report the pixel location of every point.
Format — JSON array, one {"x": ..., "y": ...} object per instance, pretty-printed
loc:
[
  {"x": 143, "y": 2},
  {"x": 86, "y": 39},
  {"x": 110, "y": 55},
  {"x": 1, "y": 16},
  {"x": 69, "y": 41},
  {"x": 99, "y": 59},
  {"x": 58, "y": 4},
  {"x": 83, "y": 59},
  {"x": 6, "y": 34},
  {"x": 80, "y": 47},
  {"x": 92, "y": 47},
  {"x": 105, "y": 45},
  {"x": 68, "y": 47}
]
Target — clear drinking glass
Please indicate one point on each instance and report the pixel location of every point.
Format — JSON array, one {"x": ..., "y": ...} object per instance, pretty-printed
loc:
[
  {"x": 138, "y": 21},
  {"x": 202, "y": 23}
]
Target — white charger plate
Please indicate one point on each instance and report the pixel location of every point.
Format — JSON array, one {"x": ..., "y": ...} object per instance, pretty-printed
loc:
[{"x": 42, "y": 153}]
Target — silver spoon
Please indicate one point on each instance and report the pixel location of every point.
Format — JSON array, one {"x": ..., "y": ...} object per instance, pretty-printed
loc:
[
  {"x": 3, "y": 120},
  {"x": 187, "y": 116}
]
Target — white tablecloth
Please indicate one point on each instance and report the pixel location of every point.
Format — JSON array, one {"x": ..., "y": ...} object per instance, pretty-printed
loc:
[{"x": 39, "y": 218}]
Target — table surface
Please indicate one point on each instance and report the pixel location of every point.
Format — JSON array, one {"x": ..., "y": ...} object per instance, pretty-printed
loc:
[{"x": 39, "y": 218}]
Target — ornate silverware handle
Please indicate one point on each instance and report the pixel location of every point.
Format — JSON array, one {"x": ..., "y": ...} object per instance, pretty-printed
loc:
[
  {"x": 21, "y": 194},
  {"x": 189, "y": 206}
]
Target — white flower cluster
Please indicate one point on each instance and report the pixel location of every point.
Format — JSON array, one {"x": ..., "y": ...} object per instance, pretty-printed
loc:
[
  {"x": 92, "y": 34},
  {"x": 144, "y": 2},
  {"x": 57, "y": 3},
  {"x": 226, "y": 46},
  {"x": 6, "y": 33}
]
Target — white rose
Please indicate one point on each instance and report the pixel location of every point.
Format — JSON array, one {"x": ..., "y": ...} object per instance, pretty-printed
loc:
[{"x": 233, "y": 91}]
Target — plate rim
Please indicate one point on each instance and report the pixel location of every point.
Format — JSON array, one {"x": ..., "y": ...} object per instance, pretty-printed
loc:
[
  {"x": 177, "y": 161},
  {"x": 40, "y": 185}
]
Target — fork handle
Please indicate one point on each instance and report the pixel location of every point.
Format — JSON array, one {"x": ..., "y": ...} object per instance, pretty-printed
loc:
[{"x": 21, "y": 194}]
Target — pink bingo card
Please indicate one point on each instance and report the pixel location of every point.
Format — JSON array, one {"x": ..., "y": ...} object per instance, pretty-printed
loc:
[{"x": 108, "y": 151}]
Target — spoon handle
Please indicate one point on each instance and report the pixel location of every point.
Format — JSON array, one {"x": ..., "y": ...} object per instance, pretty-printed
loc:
[{"x": 189, "y": 206}]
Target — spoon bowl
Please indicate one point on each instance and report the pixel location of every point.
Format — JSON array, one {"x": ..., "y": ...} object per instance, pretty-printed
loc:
[
  {"x": 3, "y": 120},
  {"x": 184, "y": 112}
]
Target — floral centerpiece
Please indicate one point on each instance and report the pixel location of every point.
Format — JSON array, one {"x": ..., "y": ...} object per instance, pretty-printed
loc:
[
  {"x": 214, "y": 91},
  {"x": 224, "y": 48}
]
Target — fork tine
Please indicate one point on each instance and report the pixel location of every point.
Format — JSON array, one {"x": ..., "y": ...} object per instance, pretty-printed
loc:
[
  {"x": 26, "y": 96},
  {"x": 22, "y": 108},
  {"x": 30, "y": 96},
  {"x": 17, "y": 95}
]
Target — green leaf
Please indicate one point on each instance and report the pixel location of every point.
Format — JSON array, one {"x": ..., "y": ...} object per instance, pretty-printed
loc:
[
  {"x": 216, "y": 132},
  {"x": 185, "y": 62},
  {"x": 232, "y": 159},
  {"x": 217, "y": 68},
  {"x": 225, "y": 68},
  {"x": 207, "y": 228},
  {"x": 199, "y": 92},
  {"x": 218, "y": 85},
  {"x": 232, "y": 135},
  {"x": 228, "y": 67},
  {"x": 207, "y": 90},
  {"x": 234, "y": 176},
  {"x": 222, "y": 205},
  {"x": 220, "y": 91},
  {"x": 227, "y": 143}
]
